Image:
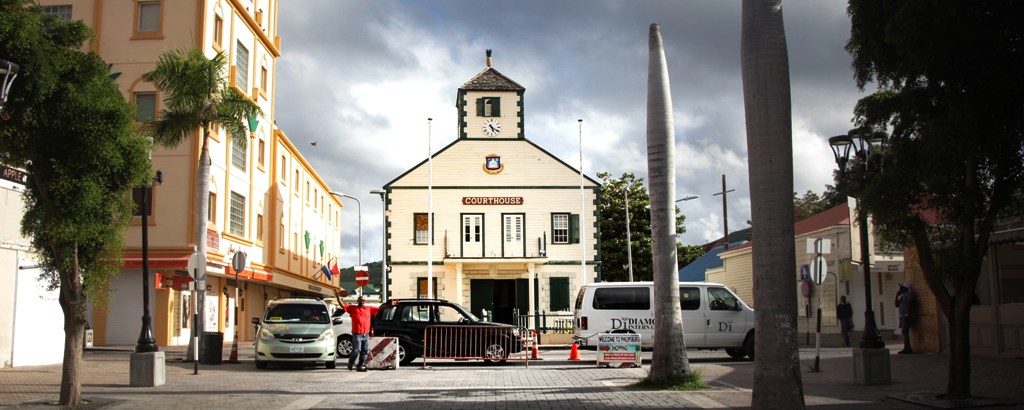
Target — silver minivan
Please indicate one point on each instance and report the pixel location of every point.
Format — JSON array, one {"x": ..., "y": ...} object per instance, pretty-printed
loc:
[
  {"x": 713, "y": 316},
  {"x": 295, "y": 330}
]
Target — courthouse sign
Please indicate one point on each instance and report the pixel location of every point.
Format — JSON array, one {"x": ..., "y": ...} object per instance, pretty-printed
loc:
[{"x": 492, "y": 200}]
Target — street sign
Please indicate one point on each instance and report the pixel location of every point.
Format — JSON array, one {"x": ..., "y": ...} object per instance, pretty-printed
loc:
[
  {"x": 238, "y": 262},
  {"x": 824, "y": 245},
  {"x": 362, "y": 276},
  {"x": 196, "y": 261},
  {"x": 820, "y": 269}
]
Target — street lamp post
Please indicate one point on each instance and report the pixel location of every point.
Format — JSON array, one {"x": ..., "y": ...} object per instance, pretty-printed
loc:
[
  {"x": 687, "y": 198},
  {"x": 359, "y": 209},
  {"x": 384, "y": 247},
  {"x": 629, "y": 240},
  {"x": 8, "y": 71},
  {"x": 146, "y": 342},
  {"x": 861, "y": 144}
]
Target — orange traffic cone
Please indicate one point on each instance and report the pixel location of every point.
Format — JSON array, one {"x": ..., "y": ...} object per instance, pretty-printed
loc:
[
  {"x": 535, "y": 353},
  {"x": 234, "y": 350},
  {"x": 574, "y": 354}
]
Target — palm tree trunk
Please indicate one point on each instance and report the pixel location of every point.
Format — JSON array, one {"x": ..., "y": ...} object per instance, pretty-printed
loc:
[
  {"x": 669, "y": 358},
  {"x": 202, "y": 206},
  {"x": 766, "y": 96}
]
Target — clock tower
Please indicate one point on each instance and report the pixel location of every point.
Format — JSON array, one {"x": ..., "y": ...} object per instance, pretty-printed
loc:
[{"x": 490, "y": 106}]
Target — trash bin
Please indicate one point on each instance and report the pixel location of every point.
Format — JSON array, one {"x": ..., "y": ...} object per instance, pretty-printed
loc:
[{"x": 211, "y": 347}]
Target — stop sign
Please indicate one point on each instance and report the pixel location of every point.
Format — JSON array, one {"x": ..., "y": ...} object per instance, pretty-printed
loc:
[{"x": 362, "y": 277}]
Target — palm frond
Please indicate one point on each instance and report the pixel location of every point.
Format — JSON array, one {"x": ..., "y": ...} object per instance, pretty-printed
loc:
[{"x": 173, "y": 127}]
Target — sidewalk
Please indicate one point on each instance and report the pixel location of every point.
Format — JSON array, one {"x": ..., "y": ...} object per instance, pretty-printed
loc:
[{"x": 551, "y": 383}]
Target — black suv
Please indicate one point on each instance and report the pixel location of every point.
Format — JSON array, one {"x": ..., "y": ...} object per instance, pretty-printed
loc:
[{"x": 444, "y": 330}]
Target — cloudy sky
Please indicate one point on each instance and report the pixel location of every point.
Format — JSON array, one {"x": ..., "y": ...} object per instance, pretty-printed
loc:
[{"x": 361, "y": 77}]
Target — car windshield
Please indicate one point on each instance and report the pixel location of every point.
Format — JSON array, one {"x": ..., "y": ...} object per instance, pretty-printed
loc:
[{"x": 296, "y": 313}]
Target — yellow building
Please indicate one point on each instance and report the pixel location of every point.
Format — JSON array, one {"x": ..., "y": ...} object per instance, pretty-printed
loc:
[
  {"x": 843, "y": 276},
  {"x": 507, "y": 214},
  {"x": 265, "y": 199}
]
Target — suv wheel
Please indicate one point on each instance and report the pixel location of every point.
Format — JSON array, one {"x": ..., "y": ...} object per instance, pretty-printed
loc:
[
  {"x": 261, "y": 364},
  {"x": 495, "y": 352},
  {"x": 345, "y": 346},
  {"x": 405, "y": 355}
]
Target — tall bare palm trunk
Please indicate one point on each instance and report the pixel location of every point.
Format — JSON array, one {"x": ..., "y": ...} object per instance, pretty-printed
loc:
[
  {"x": 202, "y": 204},
  {"x": 764, "y": 59},
  {"x": 669, "y": 358}
]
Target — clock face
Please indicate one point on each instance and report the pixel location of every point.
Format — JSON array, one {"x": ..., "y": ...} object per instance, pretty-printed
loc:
[{"x": 492, "y": 127}]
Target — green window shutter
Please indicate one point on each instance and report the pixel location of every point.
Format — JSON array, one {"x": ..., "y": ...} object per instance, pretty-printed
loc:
[
  {"x": 479, "y": 107},
  {"x": 559, "y": 288},
  {"x": 495, "y": 107},
  {"x": 574, "y": 228}
]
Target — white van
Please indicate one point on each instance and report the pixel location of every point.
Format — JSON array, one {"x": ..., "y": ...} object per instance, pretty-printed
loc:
[{"x": 713, "y": 316}]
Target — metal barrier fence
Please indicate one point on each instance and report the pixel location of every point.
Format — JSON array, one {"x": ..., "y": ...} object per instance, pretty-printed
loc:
[
  {"x": 476, "y": 342},
  {"x": 547, "y": 322}
]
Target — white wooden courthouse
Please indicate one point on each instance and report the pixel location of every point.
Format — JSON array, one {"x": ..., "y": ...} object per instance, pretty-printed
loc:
[{"x": 506, "y": 214}]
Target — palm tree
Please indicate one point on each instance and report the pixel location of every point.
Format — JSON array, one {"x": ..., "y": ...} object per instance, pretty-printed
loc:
[
  {"x": 197, "y": 96},
  {"x": 766, "y": 98},
  {"x": 669, "y": 360}
]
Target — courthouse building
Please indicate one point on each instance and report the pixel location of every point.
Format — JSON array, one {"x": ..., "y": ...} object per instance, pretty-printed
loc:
[{"x": 508, "y": 229}]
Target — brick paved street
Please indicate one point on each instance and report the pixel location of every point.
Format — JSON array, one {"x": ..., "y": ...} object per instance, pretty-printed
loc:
[{"x": 551, "y": 383}]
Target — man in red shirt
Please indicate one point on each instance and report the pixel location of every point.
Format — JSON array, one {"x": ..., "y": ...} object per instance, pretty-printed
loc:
[{"x": 361, "y": 316}]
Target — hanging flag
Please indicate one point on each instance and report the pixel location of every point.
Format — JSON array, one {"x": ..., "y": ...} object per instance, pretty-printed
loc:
[
  {"x": 334, "y": 267},
  {"x": 326, "y": 271}
]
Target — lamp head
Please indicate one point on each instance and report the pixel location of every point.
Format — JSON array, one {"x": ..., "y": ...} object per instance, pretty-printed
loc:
[
  {"x": 841, "y": 145},
  {"x": 8, "y": 71}
]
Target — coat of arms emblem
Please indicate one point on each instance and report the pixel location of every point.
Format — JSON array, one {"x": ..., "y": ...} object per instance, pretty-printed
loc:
[{"x": 492, "y": 164}]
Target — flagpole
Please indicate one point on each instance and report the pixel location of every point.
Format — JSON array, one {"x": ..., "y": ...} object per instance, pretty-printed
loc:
[
  {"x": 430, "y": 213},
  {"x": 583, "y": 215}
]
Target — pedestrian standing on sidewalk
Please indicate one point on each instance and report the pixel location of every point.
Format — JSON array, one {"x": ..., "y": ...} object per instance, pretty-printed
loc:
[
  {"x": 361, "y": 315},
  {"x": 844, "y": 312},
  {"x": 906, "y": 301}
]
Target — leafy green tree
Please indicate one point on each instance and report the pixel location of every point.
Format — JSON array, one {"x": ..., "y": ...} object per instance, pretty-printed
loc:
[
  {"x": 767, "y": 105},
  {"x": 197, "y": 97},
  {"x": 669, "y": 362},
  {"x": 688, "y": 253},
  {"x": 68, "y": 125},
  {"x": 812, "y": 204},
  {"x": 950, "y": 98},
  {"x": 612, "y": 211}
]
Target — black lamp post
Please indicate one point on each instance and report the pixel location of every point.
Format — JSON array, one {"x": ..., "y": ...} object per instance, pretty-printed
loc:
[
  {"x": 861, "y": 143},
  {"x": 8, "y": 71},
  {"x": 146, "y": 343}
]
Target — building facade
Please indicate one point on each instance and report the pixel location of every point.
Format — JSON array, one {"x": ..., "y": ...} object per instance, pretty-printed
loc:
[
  {"x": 843, "y": 275},
  {"x": 264, "y": 200},
  {"x": 508, "y": 232}
]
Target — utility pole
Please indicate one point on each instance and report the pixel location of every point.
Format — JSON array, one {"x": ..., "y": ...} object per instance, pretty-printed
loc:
[{"x": 725, "y": 210}]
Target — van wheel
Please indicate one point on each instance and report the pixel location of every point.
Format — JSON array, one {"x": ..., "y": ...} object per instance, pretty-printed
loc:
[
  {"x": 736, "y": 353},
  {"x": 748, "y": 345},
  {"x": 345, "y": 346}
]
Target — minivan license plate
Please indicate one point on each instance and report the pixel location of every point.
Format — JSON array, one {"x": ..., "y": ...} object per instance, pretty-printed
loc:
[{"x": 295, "y": 349}]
